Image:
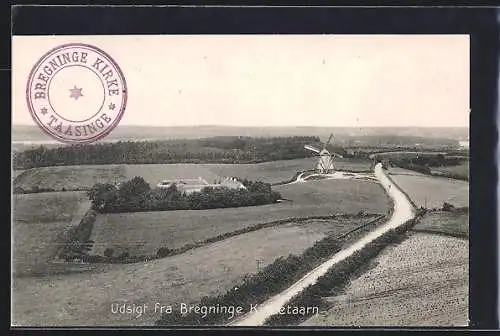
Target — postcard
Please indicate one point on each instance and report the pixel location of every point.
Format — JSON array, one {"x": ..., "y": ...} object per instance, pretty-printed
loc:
[{"x": 240, "y": 180}]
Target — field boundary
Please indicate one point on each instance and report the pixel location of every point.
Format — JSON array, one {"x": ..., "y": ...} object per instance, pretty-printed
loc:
[
  {"x": 21, "y": 191},
  {"x": 78, "y": 236},
  {"x": 442, "y": 233},
  {"x": 361, "y": 227},
  {"x": 443, "y": 176},
  {"x": 18, "y": 177},
  {"x": 164, "y": 252},
  {"x": 335, "y": 281},
  {"x": 276, "y": 276},
  {"x": 449, "y": 177},
  {"x": 403, "y": 191},
  {"x": 69, "y": 231}
]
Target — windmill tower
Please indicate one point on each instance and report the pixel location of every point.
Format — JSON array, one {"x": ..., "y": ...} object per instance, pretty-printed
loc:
[{"x": 325, "y": 163}]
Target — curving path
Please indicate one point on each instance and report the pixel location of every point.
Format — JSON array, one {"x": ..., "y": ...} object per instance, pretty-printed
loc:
[
  {"x": 403, "y": 211},
  {"x": 334, "y": 176}
]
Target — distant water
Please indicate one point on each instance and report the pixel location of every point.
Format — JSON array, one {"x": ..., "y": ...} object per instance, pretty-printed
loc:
[{"x": 35, "y": 142}]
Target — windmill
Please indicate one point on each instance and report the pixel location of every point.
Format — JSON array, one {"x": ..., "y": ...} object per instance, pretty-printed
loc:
[{"x": 325, "y": 163}]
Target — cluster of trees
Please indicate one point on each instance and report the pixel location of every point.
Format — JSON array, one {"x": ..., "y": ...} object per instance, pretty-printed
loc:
[
  {"x": 136, "y": 195},
  {"x": 258, "y": 287},
  {"x": 424, "y": 163},
  {"x": 35, "y": 189},
  {"x": 210, "y": 150},
  {"x": 79, "y": 243},
  {"x": 223, "y": 149}
]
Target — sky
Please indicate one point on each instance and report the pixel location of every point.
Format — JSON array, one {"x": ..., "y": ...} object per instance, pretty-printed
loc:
[{"x": 276, "y": 80}]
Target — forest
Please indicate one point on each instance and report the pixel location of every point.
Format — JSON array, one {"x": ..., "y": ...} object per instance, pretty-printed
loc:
[{"x": 209, "y": 150}]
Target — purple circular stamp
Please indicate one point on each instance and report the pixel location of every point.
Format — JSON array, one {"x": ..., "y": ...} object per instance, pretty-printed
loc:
[{"x": 76, "y": 93}]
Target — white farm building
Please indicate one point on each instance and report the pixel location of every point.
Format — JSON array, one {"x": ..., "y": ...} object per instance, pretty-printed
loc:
[{"x": 191, "y": 185}]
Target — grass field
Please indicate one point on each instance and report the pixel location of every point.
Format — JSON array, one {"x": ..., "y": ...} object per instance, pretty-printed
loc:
[
  {"x": 448, "y": 223},
  {"x": 46, "y": 207},
  {"x": 16, "y": 173},
  {"x": 271, "y": 172},
  {"x": 421, "y": 282},
  {"x": 81, "y": 177},
  {"x": 431, "y": 192},
  {"x": 402, "y": 171},
  {"x": 70, "y": 177},
  {"x": 404, "y": 154},
  {"x": 349, "y": 196},
  {"x": 143, "y": 233},
  {"x": 85, "y": 299},
  {"x": 39, "y": 221},
  {"x": 460, "y": 170}
]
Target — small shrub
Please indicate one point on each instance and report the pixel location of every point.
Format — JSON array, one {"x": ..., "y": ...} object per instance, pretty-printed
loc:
[
  {"x": 19, "y": 190},
  {"x": 163, "y": 252},
  {"x": 447, "y": 207},
  {"x": 124, "y": 256},
  {"x": 108, "y": 252}
]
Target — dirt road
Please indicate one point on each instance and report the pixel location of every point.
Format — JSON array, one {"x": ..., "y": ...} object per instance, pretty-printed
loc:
[{"x": 403, "y": 211}]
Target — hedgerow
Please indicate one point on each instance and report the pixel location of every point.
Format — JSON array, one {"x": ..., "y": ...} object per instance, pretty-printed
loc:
[{"x": 341, "y": 274}]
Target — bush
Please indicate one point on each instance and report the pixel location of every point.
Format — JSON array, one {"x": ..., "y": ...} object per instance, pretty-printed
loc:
[
  {"x": 18, "y": 190},
  {"x": 164, "y": 252},
  {"x": 108, "y": 252},
  {"x": 340, "y": 275},
  {"x": 447, "y": 207},
  {"x": 78, "y": 243},
  {"x": 124, "y": 256},
  {"x": 256, "y": 288}
]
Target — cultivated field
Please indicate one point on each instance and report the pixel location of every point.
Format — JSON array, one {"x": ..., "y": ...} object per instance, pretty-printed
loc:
[
  {"x": 431, "y": 192},
  {"x": 402, "y": 171},
  {"x": 271, "y": 172},
  {"x": 349, "y": 195},
  {"x": 154, "y": 173},
  {"x": 448, "y": 223},
  {"x": 142, "y": 233},
  {"x": 70, "y": 177},
  {"x": 39, "y": 221},
  {"x": 459, "y": 170},
  {"x": 46, "y": 207},
  {"x": 85, "y": 176},
  {"x": 86, "y": 298},
  {"x": 16, "y": 173},
  {"x": 421, "y": 282},
  {"x": 404, "y": 154}
]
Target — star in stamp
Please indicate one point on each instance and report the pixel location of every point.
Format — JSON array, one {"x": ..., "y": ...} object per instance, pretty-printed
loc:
[{"x": 76, "y": 93}]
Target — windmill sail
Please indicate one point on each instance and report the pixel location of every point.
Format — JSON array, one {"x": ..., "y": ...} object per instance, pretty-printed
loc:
[
  {"x": 312, "y": 148},
  {"x": 328, "y": 142},
  {"x": 325, "y": 163}
]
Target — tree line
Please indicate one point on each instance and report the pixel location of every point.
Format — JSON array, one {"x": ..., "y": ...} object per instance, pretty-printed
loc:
[
  {"x": 136, "y": 195},
  {"x": 208, "y": 150},
  {"x": 424, "y": 163},
  {"x": 255, "y": 288}
]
